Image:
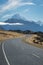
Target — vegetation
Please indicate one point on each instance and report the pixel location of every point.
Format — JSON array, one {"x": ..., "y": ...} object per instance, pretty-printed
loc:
[
  {"x": 23, "y": 32},
  {"x": 39, "y": 38},
  {"x": 9, "y": 34},
  {"x": 36, "y": 39}
]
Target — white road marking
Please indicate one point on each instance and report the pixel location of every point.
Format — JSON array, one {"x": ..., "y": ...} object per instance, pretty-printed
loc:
[
  {"x": 36, "y": 55},
  {"x": 5, "y": 54}
]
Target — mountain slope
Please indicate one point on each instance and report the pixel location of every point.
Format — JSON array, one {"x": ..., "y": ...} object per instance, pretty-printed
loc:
[{"x": 27, "y": 25}]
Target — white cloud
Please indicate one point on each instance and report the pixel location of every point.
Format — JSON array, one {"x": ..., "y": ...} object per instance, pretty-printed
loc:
[
  {"x": 15, "y": 23},
  {"x": 27, "y": 3},
  {"x": 3, "y": 23},
  {"x": 7, "y": 16},
  {"x": 13, "y": 4},
  {"x": 10, "y": 4}
]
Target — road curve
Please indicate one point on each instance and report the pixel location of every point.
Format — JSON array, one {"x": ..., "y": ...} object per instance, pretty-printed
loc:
[
  {"x": 2, "y": 58},
  {"x": 20, "y": 53}
]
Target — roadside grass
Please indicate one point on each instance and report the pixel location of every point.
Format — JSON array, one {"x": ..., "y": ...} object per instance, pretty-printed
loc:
[
  {"x": 33, "y": 41},
  {"x": 9, "y": 34}
]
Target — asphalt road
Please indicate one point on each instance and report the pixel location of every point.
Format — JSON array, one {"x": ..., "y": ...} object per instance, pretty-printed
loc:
[
  {"x": 17, "y": 52},
  {"x": 2, "y": 58}
]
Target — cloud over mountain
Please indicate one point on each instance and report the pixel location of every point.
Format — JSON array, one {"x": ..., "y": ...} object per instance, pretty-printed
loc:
[{"x": 18, "y": 23}]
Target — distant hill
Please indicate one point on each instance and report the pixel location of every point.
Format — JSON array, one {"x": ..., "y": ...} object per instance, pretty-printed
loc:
[
  {"x": 27, "y": 25},
  {"x": 1, "y": 27}
]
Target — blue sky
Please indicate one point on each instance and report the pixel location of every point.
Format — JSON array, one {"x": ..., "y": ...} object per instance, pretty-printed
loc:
[{"x": 30, "y": 9}]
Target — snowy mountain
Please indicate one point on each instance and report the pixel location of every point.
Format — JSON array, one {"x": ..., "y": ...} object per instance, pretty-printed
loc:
[{"x": 27, "y": 25}]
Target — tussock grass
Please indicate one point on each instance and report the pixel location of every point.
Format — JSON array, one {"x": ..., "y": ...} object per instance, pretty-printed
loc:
[
  {"x": 9, "y": 34},
  {"x": 33, "y": 41}
]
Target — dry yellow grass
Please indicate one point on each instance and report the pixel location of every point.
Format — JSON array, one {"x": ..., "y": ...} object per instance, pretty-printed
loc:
[
  {"x": 8, "y": 34},
  {"x": 29, "y": 40}
]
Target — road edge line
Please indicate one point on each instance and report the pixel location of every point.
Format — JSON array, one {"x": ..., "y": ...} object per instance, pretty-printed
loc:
[{"x": 5, "y": 54}]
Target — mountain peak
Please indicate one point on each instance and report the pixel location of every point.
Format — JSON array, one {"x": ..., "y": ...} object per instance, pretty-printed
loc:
[{"x": 17, "y": 16}]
